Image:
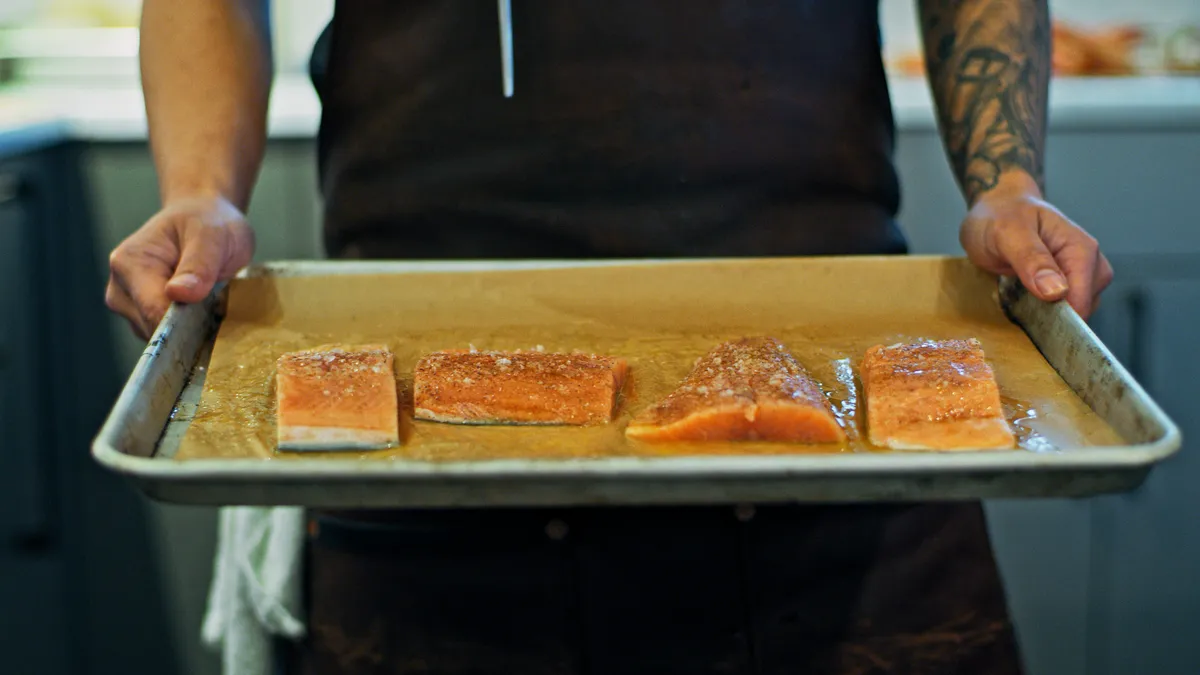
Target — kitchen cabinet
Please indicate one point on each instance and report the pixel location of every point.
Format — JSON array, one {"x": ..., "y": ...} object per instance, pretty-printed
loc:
[
  {"x": 1067, "y": 564},
  {"x": 77, "y": 577},
  {"x": 1106, "y": 586},
  {"x": 285, "y": 214},
  {"x": 1145, "y": 598},
  {"x": 33, "y": 611}
]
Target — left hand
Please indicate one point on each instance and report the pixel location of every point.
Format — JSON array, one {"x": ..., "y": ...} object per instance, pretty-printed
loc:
[{"x": 1011, "y": 230}]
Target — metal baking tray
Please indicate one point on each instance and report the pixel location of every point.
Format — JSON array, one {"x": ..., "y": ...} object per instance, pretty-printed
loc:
[{"x": 143, "y": 432}]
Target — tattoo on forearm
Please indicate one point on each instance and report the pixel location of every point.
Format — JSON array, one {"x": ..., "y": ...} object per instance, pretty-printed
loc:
[{"x": 989, "y": 68}]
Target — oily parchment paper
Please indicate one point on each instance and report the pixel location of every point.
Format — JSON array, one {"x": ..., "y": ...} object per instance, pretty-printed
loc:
[{"x": 659, "y": 317}]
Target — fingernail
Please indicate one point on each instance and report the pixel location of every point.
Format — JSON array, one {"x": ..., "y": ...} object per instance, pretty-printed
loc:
[
  {"x": 1050, "y": 283},
  {"x": 186, "y": 281}
]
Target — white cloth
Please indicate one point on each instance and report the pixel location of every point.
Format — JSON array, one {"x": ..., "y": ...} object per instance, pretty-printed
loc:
[{"x": 256, "y": 586}]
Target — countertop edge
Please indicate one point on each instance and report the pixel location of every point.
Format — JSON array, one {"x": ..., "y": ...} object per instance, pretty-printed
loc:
[
  {"x": 29, "y": 137},
  {"x": 116, "y": 114}
]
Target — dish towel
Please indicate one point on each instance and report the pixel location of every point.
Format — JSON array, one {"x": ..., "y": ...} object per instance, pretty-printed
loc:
[{"x": 256, "y": 586}]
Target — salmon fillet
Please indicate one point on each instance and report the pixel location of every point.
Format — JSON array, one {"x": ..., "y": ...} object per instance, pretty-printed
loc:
[
  {"x": 749, "y": 389},
  {"x": 518, "y": 387},
  {"x": 933, "y": 395},
  {"x": 337, "y": 397}
]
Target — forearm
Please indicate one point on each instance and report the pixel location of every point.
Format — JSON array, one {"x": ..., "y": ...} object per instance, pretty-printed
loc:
[
  {"x": 989, "y": 69},
  {"x": 206, "y": 73}
]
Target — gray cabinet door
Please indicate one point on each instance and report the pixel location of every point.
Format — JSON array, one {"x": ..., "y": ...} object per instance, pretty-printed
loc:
[
  {"x": 1145, "y": 576},
  {"x": 33, "y": 621}
]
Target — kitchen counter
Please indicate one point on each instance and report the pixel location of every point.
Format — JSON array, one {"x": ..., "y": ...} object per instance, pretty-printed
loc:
[
  {"x": 116, "y": 113},
  {"x": 31, "y": 114},
  {"x": 26, "y": 126}
]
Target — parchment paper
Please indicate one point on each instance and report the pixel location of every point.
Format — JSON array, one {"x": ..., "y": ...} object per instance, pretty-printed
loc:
[{"x": 659, "y": 317}]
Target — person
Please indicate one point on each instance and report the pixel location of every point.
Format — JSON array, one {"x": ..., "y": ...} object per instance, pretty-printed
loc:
[{"x": 638, "y": 128}]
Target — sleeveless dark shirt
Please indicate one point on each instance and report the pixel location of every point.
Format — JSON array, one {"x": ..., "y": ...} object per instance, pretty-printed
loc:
[{"x": 638, "y": 127}]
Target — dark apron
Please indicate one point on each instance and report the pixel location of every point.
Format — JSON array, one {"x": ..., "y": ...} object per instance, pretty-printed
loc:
[
  {"x": 639, "y": 128},
  {"x": 772, "y": 590}
]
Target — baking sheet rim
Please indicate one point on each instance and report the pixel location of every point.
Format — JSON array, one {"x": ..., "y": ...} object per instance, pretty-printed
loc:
[{"x": 105, "y": 449}]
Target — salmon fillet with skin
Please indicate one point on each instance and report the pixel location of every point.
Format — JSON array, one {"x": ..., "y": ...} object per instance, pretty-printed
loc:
[
  {"x": 517, "y": 387},
  {"x": 748, "y": 389},
  {"x": 337, "y": 397},
  {"x": 933, "y": 395}
]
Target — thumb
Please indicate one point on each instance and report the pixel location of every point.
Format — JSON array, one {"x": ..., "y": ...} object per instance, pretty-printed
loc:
[
  {"x": 1032, "y": 261},
  {"x": 201, "y": 255}
]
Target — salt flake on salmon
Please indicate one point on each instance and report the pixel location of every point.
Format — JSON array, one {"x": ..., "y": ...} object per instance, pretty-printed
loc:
[
  {"x": 933, "y": 395},
  {"x": 337, "y": 397},
  {"x": 517, "y": 387},
  {"x": 748, "y": 389}
]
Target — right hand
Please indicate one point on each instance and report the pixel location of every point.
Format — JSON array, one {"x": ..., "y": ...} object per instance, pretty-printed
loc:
[{"x": 177, "y": 256}]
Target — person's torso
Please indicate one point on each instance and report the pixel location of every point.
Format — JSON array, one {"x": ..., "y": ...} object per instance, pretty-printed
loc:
[{"x": 638, "y": 127}]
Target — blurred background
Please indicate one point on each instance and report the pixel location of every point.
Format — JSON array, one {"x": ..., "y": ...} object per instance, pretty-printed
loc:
[{"x": 96, "y": 579}]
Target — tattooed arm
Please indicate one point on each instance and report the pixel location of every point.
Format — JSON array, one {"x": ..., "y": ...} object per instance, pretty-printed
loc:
[
  {"x": 989, "y": 65},
  {"x": 989, "y": 69}
]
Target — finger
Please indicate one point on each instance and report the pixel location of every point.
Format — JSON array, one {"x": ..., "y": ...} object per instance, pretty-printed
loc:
[
  {"x": 119, "y": 302},
  {"x": 1078, "y": 254},
  {"x": 201, "y": 256},
  {"x": 144, "y": 283},
  {"x": 980, "y": 246},
  {"x": 139, "y": 330},
  {"x": 1032, "y": 262},
  {"x": 1104, "y": 275}
]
